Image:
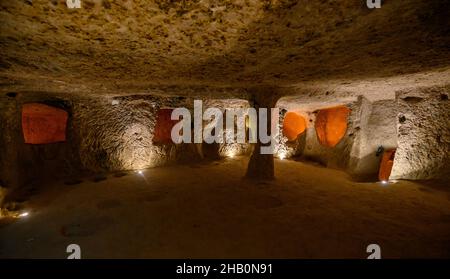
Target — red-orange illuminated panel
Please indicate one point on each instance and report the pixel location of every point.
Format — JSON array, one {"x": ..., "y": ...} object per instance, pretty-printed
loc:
[
  {"x": 42, "y": 124},
  {"x": 293, "y": 125},
  {"x": 164, "y": 127},
  {"x": 386, "y": 165},
  {"x": 331, "y": 125}
]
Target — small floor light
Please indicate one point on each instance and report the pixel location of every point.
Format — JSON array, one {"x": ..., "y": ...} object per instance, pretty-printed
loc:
[{"x": 23, "y": 214}]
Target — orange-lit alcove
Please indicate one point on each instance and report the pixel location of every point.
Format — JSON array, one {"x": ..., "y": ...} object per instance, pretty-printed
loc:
[
  {"x": 386, "y": 165},
  {"x": 163, "y": 128},
  {"x": 42, "y": 124},
  {"x": 331, "y": 125},
  {"x": 293, "y": 125}
]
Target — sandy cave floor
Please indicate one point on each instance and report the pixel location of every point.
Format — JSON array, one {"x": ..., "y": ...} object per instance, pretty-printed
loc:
[{"x": 209, "y": 211}]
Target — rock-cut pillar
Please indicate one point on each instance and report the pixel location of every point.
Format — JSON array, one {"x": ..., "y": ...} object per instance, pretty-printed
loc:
[{"x": 261, "y": 166}]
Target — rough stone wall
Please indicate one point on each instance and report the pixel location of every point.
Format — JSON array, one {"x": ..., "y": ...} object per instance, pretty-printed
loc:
[
  {"x": 376, "y": 128},
  {"x": 423, "y": 134},
  {"x": 7, "y": 107},
  {"x": 8, "y": 156},
  {"x": 104, "y": 133},
  {"x": 117, "y": 133},
  {"x": 25, "y": 166},
  {"x": 228, "y": 149}
]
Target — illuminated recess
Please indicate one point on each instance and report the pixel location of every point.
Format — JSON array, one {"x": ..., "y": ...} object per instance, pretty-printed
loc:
[
  {"x": 42, "y": 124},
  {"x": 163, "y": 128},
  {"x": 331, "y": 125},
  {"x": 386, "y": 165},
  {"x": 293, "y": 125}
]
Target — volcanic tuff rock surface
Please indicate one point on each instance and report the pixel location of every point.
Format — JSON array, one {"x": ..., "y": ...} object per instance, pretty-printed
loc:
[
  {"x": 110, "y": 45},
  {"x": 423, "y": 134}
]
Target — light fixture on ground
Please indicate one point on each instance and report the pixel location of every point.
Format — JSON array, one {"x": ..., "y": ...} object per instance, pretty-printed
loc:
[{"x": 24, "y": 214}]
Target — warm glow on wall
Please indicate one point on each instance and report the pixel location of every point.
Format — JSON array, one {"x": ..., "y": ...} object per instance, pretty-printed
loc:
[
  {"x": 164, "y": 125},
  {"x": 136, "y": 151},
  {"x": 386, "y": 165},
  {"x": 293, "y": 125},
  {"x": 331, "y": 125},
  {"x": 43, "y": 124}
]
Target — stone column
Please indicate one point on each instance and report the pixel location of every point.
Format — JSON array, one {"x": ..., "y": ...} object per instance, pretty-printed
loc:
[{"x": 261, "y": 166}]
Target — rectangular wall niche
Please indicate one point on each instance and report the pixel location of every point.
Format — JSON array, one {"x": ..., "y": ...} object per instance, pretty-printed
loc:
[
  {"x": 386, "y": 164},
  {"x": 163, "y": 128},
  {"x": 42, "y": 124},
  {"x": 331, "y": 125}
]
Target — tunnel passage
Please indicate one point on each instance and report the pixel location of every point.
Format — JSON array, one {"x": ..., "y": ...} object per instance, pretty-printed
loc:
[
  {"x": 42, "y": 124},
  {"x": 331, "y": 125},
  {"x": 386, "y": 165},
  {"x": 293, "y": 125}
]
